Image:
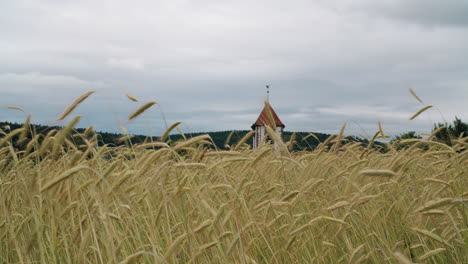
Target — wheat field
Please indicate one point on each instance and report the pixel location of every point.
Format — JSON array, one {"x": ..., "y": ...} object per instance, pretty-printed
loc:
[{"x": 65, "y": 199}]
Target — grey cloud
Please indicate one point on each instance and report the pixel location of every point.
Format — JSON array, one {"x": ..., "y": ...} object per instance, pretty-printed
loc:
[
  {"x": 207, "y": 62},
  {"x": 430, "y": 13}
]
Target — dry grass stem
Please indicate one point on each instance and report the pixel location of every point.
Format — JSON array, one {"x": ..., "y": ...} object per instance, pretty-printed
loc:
[
  {"x": 74, "y": 104},
  {"x": 16, "y": 108},
  {"x": 420, "y": 111},
  {"x": 131, "y": 97},
  {"x": 141, "y": 110},
  {"x": 378, "y": 173},
  {"x": 415, "y": 96}
]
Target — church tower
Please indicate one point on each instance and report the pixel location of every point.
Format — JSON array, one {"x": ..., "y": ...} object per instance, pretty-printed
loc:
[{"x": 262, "y": 121}]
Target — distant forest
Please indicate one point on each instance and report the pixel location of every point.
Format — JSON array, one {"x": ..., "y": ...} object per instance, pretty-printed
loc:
[{"x": 304, "y": 142}]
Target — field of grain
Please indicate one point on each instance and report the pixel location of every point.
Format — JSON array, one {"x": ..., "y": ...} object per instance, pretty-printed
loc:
[{"x": 68, "y": 202}]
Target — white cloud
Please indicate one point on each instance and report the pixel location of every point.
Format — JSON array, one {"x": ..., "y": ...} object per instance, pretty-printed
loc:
[
  {"x": 130, "y": 64},
  {"x": 37, "y": 78},
  {"x": 366, "y": 111}
]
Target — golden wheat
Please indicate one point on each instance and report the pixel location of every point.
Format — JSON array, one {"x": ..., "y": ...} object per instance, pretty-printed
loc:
[
  {"x": 420, "y": 111},
  {"x": 74, "y": 104},
  {"x": 415, "y": 96},
  {"x": 131, "y": 97},
  {"x": 141, "y": 110},
  {"x": 186, "y": 202},
  {"x": 378, "y": 173},
  {"x": 16, "y": 108}
]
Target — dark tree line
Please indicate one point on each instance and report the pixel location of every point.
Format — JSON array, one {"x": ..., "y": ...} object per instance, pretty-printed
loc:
[
  {"x": 447, "y": 133},
  {"x": 442, "y": 132},
  {"x": 304, "y": 141}
]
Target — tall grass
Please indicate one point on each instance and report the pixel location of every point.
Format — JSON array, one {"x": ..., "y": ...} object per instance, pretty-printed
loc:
[{"x": 180, "y": 202}]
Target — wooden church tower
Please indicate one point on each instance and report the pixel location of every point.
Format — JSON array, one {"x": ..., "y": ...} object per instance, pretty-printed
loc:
[{"x": 263, "y": 120}]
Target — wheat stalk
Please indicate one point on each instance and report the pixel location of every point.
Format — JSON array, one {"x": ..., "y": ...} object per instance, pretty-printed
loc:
[
  {"x": 415, "y": 96},
  {"x": 432, "y": 253},
  {"x": 169, "y": 129},
  {"x": 378, "y": 173},
  {"x": 67, "y": 174},
  {"x": 420, "y": 111},
  {"x": 141, "y": 110},
  {"x": 74, "y": 104},
  {"x": 16, "y": 108},
  {"x": 131, "y": 97}
]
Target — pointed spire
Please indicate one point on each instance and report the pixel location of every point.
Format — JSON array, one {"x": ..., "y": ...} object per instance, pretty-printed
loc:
[
  {"x": 264, "y": 120},
  {"x": 268, "y": 92}
]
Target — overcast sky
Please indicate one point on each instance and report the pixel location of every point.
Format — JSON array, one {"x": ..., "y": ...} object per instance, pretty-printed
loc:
[{"x": 206, "y": 62}]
